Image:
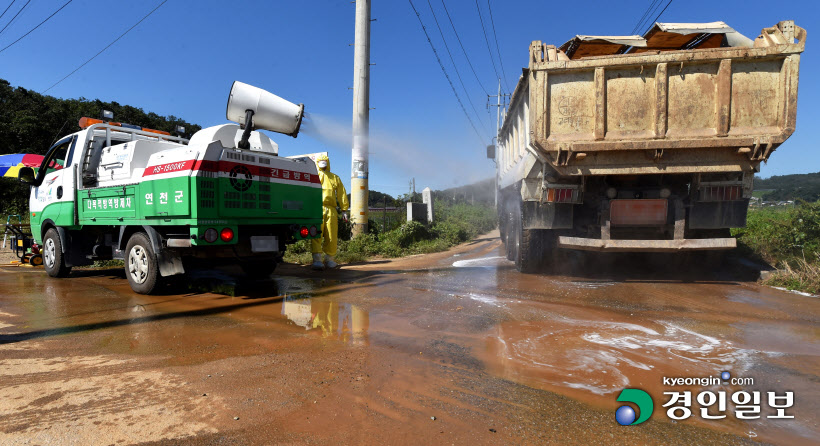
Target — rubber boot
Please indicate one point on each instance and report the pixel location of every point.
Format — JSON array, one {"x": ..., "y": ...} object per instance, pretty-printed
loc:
[
  {"x": 317, "y": 262},
  {"x": 330, "y": 262}
]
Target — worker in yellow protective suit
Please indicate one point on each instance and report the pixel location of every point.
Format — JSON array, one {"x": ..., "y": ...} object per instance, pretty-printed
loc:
[{"x": 333, "y": 195}]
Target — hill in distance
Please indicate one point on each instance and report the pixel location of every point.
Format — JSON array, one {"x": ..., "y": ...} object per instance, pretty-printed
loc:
[{"x": 789, "y": 187}]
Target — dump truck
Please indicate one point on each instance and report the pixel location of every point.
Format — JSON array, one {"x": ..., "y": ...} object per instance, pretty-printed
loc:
[
  {"x": 160, "y": 202},
  {"x": 642, "y": 143}
]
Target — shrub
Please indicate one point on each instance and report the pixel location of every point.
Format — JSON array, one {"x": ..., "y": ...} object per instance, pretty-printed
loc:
[
  {"x": 454, "y": 224},
  {"x": 790, "y": 240},
  {"x": 779, "y": 235},
  {"x": 452, "y": 232}
]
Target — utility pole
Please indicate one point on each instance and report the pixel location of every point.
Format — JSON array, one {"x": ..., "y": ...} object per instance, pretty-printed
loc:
[
  {"x": 498, "y": 106},
  {"x": 361, "y": 120},
  {"x": 500, "y": 101}
]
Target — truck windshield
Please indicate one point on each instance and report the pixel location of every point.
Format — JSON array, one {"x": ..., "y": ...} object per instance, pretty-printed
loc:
[{"x": 56, "y": 157}]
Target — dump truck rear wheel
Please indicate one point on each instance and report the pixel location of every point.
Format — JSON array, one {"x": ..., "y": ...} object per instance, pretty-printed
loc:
[
  {"x": 53, "y": 258},
  {"x": 527, "y": 246},
  {"x": 141, "y": 264},
  {"x": 259, "y": 269},
  {"x": 509, "y": 232}
]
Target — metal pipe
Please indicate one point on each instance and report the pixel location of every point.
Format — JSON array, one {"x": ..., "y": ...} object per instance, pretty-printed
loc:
[{"x": 361, "y": 120}]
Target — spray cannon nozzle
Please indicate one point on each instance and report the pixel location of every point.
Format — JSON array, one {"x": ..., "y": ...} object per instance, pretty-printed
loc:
[{"x": 256, "y": 108}]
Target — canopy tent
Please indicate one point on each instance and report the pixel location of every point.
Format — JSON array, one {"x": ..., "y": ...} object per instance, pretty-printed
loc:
[{"x": 10, "y": 164}]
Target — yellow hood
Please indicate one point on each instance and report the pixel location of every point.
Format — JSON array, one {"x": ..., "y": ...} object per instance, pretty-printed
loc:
[{"x": 323, "y": 158}]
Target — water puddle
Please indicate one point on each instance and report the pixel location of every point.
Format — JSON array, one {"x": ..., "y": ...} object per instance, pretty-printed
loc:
[
  {"x": 481, "y": 262},
  {"x": 603, "y": 357},
  {"x": 346, "y": 322},
  {"x": 590, "y": 284}
]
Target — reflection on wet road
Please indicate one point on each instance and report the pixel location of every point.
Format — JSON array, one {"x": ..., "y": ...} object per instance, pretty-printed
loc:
[
  {"x": 454, "y": 347},
  {"x": 345, "y": 322}
]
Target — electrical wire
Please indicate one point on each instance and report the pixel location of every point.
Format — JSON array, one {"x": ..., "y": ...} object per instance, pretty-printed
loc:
[
  {"x": 38, "y": 25},
  {"x": 467, "y": 115},
  {"x": 497, "y": 50},
  {"x": 447, "y": 47},
  {"x": 658, "y": 16},
  {"x": 463, "y": 50},
  {"x": 15, "y": 16},
  {"x": 486, "y": 40},
  {"x": 7, "y": 8},
  {"x": 106, "y": 47},
  {"x": 645, "y": 15}
]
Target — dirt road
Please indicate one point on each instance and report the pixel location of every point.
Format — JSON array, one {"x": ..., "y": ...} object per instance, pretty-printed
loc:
[{"x": 450, "y": 348}]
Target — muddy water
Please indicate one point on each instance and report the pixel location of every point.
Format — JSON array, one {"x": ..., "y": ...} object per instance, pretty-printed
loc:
[{"x": 454, "y": 347}]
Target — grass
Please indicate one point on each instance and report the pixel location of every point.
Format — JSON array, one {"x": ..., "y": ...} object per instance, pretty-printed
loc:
[
  {"x": 789, "y": 239},
  {"x": 454, "y": 224},
  {"x": 803, "y": 276}
]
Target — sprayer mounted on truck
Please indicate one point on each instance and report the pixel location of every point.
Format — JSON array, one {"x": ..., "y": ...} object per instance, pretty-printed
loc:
[
  {"x": 156, "y": 200},
  {"x": 642, "y": 143}
]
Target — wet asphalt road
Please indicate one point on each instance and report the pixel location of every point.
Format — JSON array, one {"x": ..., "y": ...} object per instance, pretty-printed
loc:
[{"x": 450, "y": 348}]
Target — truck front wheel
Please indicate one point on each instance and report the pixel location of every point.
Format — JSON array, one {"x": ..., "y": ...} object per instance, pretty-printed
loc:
[
  {"x": 141, "y": 264},
  {"x": 53, "y": 258}
]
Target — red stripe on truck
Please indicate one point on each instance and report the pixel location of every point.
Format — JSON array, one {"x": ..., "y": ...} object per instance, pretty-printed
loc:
[
  {"x": 176, "y": 166},
  {"x": 227, "y": 166},
  {"x": 270, "y": 172}
]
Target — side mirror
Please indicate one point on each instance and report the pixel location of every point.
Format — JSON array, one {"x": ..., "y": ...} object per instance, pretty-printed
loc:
[
  {"x": 26, "y": 175},
  {"x": 491, "y": 151}
]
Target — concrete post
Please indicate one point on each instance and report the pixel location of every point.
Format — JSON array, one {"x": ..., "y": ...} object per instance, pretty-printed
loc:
[
  {"x": 417, "y": 212},
  {"x": 361, "y": 120},
  {"x": 427, "y": 198}
]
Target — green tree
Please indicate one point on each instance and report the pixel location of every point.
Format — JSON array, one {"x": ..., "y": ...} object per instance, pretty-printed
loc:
[{"x": 31, "y": 122}]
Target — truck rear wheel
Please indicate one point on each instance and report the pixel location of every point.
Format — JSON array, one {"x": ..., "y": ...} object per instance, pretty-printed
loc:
[
  {"x": 529, "y": 246},
  {"x": 508, "y": 220},
  {"x": 53, "y": 258},
  {"x": 141, "y": 264},
  {"x": 259, "y": 269}
]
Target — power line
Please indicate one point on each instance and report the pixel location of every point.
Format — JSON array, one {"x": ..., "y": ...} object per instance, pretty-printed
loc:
[
  {"x": 15, "y": 16},
  {"x": 497, "y": 50},
  {"x": 463, "y": 50},
  {"x": 659, "y": 14},
  {"x": 106, "y": 47},
  {"x": 7, "y": 8},
  {"x": 644, "y": 16},
  {"x": 455, "y": 67},
  {"x": 423, "y": 28},
  {"x": 486, "y": 40},
  {"x": 38, "y": 25}
]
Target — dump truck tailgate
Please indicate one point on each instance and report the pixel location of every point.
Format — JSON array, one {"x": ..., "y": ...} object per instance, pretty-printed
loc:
[{"x": 714, "y": 109}]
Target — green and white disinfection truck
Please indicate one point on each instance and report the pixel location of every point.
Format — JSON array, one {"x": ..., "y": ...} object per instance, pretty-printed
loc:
[{"x": 158, "y": 201}]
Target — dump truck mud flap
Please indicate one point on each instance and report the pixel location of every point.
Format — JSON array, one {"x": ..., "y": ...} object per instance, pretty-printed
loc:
[{"x": 591, "y": 244}]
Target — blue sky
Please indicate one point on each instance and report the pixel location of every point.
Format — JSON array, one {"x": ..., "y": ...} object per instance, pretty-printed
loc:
[{"x": 183, "y": 59}]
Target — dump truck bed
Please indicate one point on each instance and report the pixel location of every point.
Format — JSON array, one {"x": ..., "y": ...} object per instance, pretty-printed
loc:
[{"x": 677, "y": 100}]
